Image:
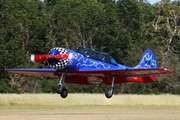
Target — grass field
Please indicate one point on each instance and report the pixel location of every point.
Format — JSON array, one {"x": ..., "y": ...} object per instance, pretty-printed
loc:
[{"x": 89, "y": 106}]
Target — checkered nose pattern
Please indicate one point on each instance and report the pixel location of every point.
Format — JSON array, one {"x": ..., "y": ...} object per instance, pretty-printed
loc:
[{"x": 59, "y": 59}]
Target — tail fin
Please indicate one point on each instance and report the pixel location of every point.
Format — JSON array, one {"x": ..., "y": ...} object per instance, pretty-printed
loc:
[{"x": 148, "y": 60}]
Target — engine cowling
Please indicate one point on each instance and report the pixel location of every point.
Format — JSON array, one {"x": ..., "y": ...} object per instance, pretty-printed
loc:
[{"x": 59, "y": 59}]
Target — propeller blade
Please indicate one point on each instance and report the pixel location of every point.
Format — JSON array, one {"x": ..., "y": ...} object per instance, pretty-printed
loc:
[
  {"x": 38, "y": 57},
  {"x": 61, "y": 56},
  {"x": 44, "y": 57}
]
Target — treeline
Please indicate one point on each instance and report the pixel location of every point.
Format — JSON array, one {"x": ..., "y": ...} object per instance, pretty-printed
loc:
[{"x": 122, "y": 28}]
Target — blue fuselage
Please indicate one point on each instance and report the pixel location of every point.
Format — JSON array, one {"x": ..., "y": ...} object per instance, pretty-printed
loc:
[{"x": 77, "y": 61}]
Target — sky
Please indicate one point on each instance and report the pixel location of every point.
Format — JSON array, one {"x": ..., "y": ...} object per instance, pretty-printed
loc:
[{"x": 153, "y": 1}]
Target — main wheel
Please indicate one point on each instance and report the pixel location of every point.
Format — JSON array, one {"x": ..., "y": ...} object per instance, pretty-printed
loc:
[
  {"x": 109, "y": 92},
  {"x": 59, "y": 88},
  {"x": 64, "y": 93}
]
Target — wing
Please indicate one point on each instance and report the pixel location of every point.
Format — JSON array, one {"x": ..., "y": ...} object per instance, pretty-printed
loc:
[
  {"x": 130, "y": 72},
  {"x": 48, "y": 72},
  {"x": 81, "y": 76},
  {"x": 76, "y": 78}
]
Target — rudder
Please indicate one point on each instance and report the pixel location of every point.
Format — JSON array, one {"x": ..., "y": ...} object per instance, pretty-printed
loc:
[{"x": 148, "y": 60}]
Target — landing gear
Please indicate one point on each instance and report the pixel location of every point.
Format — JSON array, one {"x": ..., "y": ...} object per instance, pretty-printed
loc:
[
  {"x": 64, "y": 93},
  {"x": 109, "y": 91},
  {"x": 60, "y": 89}
]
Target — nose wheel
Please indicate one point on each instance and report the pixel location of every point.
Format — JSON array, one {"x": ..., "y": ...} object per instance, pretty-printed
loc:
[
  {"x": 60, "y": 89},
  {"x": 109, "y": 91}
]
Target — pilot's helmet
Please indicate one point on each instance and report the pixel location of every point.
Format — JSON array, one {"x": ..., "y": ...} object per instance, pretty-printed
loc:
[
  {"x": 86, "y": 53},
  {"x": 103, "y": 58}
]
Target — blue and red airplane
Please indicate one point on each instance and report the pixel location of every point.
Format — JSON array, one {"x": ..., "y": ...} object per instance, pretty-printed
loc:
[{"x": 83, "y": 64}]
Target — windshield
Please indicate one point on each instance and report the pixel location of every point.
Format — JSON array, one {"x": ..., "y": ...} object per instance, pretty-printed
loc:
[{"x": 95, "y": 54}]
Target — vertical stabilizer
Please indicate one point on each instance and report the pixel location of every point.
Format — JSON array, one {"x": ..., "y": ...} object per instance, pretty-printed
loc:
[{"x": 148, "y": 60}]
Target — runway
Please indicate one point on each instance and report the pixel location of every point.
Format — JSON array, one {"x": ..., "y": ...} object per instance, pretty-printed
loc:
[{"x": 103, "y": 113}]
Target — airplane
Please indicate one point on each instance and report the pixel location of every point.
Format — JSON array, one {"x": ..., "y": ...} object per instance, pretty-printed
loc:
[{"x": 82, "y": 64}]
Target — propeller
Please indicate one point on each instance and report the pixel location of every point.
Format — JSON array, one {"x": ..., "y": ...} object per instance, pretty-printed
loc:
[{"x": 44, "y": 57}]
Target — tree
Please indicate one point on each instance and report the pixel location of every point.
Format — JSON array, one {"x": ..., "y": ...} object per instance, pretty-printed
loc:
[
  {"x": 19, "y": 30},
  {"x": 165, "y": 30},
  {"x": 165, "y": 26},
  {"x": 123, "y": 28}
]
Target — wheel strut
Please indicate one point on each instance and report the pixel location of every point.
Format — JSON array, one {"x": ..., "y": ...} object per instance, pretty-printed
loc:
[{"x": 60, "y": 89}]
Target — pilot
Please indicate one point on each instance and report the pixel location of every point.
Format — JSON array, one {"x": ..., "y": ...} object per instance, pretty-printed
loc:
[
  {"x": 103, "y": 58},
  {"x": 86, "y": 54}
]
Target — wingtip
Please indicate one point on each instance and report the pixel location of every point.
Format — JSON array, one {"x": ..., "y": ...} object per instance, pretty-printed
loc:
[
  {"x": 4, "y": 68},
  {"x": 170, "y": 73}
]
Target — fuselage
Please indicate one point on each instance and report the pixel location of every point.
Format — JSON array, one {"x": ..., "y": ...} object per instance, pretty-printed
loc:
[
  {"x": 81, "y": 60},
  {"x": 86, "y": 59}
]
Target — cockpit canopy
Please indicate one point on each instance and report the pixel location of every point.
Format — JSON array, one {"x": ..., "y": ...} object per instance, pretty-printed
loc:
[{"x": 95, "y": 54}]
